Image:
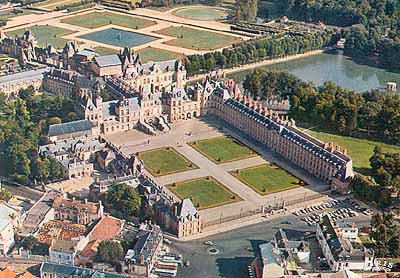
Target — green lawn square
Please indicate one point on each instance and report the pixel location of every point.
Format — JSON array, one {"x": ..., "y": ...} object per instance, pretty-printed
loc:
[
  {"x": 45, "y": 35},
  {"x": 96, "y": 19},
  {"x": 157, "y": 55},
  {"x": 197, "y": 39},
  {"x": 223, "y": 149},
  {"x": 266, "y": 178},
  {"x": 204, "y": 192},
  {"x": 165, "y": 161}
]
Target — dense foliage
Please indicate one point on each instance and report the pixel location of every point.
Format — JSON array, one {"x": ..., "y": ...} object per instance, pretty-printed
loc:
[
  {"x": 246, "y": 10},
  {"x": 386, "y": 236},
  {"x": 110, "y": 251},
  {"x": 123, "y": 200},
  {"x": 257, "y": 50},
  {"x": 346, "y": 112},
  {"x": 5, "y": 195},
  {"x": 23, "y": 125},
  {"x": 385, "y": 168},
  {"x": 375, "y": 25}
]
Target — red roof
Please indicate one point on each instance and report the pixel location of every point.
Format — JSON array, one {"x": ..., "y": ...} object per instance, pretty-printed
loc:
[
  {"x": 107, "y": 228},
  {"x": 7, "y": 273}
]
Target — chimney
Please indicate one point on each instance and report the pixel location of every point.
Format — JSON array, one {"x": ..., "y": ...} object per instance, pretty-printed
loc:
[
  {"x": 344, "y": 151},
  {"x": 85, "y": 201},
  {"x": 142, "y": 259}
]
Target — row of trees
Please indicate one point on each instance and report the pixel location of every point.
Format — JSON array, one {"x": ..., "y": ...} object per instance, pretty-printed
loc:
[
  {"x": 257, "y": 50},
  {"x": 386, "y": 235},
  {"x": 375, "y": 25},
  {"x": 344, "y": 111},
  {"x": 24, "y": 123}
]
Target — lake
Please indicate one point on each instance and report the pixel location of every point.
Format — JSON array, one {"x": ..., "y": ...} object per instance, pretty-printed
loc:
[{"x": 335, "y": 67}]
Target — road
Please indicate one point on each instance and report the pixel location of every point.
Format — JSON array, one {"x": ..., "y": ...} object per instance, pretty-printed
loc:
[{"x": 24, "y": 191}]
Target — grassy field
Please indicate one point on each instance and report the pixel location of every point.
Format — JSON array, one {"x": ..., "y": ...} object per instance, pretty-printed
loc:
[
  {"x": 165, "y": 161},
  {"x": 222, "y": 149},
  {"x": 53, "y": 4},
  {"x": 5, "y": 15},
  {"x": 360, "y": 150},
  {"x": 45, "y": 35},
  {"x": 197, "y": 39},
  {"x": 156, "y": 55},
  {"x": 204, "y": 192},
  {"x": 105, "y": 51},
  {"x": 96, "y": 19},
  {"x": 266, "y": 178},
  {"x": 202, "y": 13}
]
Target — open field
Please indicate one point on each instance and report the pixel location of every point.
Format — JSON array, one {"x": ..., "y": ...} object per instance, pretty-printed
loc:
[
  {"x": 156, "y": 55},
  {"x": 45, "y": 35},
  {"x": 266, "y": 178},
  {"x": 204, "y": 192},
  {"x": 360, "y": 150},
  {"x": 105, "y": 51},
  {"x": 202, "y": 13},
  {"x": 222, "y": 149},
  {"x": 165, "y": 161},
  {"x": 197, "y": 39},
  {"x": 96, "y": 19}
]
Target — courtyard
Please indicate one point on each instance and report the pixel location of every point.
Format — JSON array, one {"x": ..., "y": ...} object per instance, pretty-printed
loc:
[
  {"x": 197, "y": 39},
  {"x": 165, "y": 161},
  {"x": 266, "y": 179},
  {"x": 204, "y": 192},
  {"x": 223, "y": 149},
  {"x": 100, "y": 19}
]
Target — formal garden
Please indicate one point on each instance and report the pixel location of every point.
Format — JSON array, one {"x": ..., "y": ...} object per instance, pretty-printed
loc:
[
  {"x": 267, "y": 178},
  {"x": 202, "y": 13},
  {"x": 223, "y": 149},
  {"x": 165, "y": 161},
  {"x": 204, "y": 192},
  {"x": 197, "y": 39},
  {"x": 157, "y": 55}
]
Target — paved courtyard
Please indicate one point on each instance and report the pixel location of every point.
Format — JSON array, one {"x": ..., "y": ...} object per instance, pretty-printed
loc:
[{"x": 197, "y": 129}]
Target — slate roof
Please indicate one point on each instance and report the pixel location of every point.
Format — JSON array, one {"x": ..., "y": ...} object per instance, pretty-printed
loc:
[
  {"x": 108, "y": 60},
  {"x": 72, "y": 271},
  {"x": 71, "y": 127},
  {"x": 187, "y": 209},
  {"x": 147, "y": 241}
]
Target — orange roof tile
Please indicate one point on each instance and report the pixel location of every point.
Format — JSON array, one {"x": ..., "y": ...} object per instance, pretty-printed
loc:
[
  {"x": 7, "y": 273},
  {"x": 107, "y": 228},
  {"x": 26, "y": 274},
  {"x": 61, "y": 202}
]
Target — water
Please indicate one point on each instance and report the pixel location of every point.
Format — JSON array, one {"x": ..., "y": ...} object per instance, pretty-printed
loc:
[
  {"x": 119, "y": 37},
  {"x": 335, "y": 67}
]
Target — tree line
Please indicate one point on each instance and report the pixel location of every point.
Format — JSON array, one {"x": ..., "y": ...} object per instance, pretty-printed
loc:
[
  {"x": 374, "y": 25},
  {"x": 259, "y": 49},
  {"x": 24, "y": 123},
  {"x": 370, "y": 114}
]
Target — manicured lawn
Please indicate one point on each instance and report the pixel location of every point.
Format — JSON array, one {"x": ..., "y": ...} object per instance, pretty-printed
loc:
[
  {"x": 202, "y": 13},
  {"x": 157, "y": 55},
  {"x": 5, "y": 15},
  {"x": 52, "y": 4},
  {"x": 204, "y": 192},
  {"x": 266, "y": 178},
  {"x": 105, "y": 51},
  {"x": 197, "y": 39},
  {"x": 164, "y": 161},
  {"x": 222, "y": 149},
  {"x": 96, "y": 19},
  {"x": 45, "y": 35},
  {"x": 360, "y": 150}
]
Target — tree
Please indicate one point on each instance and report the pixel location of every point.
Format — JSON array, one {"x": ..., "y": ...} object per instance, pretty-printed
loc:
[
  {"x": 110, "y": 251},
  {"x": 122, "y": 198},
  {"x": 5, "y": 195}
]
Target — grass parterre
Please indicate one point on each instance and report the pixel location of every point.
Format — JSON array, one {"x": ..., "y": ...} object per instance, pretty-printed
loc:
[
  {"x": 99, "y": 19},
  {"x": 197, "y": 39},
  {"x": 223, "y": 149},
  {"x": 267, "y": 178},
  {"x": 204, "y": 192},
  {"x": 165, "y": 161},
  {"x": 157, "y": 55}
]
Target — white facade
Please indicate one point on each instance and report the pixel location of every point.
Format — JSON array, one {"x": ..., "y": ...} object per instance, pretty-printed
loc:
[{"x": 9, "y": 220}]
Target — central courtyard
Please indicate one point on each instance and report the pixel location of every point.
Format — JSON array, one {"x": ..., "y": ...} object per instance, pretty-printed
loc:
[{"x": 118, "y": 37}]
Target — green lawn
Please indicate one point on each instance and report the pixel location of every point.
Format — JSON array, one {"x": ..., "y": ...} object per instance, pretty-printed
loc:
[
  {"x": 157, "y": 55},
  {"x": 5, "y": 15},
  {"x": 197, "y": 39},
  {"x": 360, "y": 150},
  {"x": 96, "y": 19},
  {"x": 105, "y": 51},
  {"x": 266, "y": 178},
  {"x": 204, "y": 192},
  {"x": 202, "y": 13},
  {"x": 222, "y": 149},
  {"x": 52, "y": 4},
  {"x": 45, "y": 35},
  {"x": 164, "y": 161}
]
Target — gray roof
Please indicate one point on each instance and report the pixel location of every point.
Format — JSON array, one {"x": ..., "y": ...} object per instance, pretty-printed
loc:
[
  {"x": 72, "y": 271},
  {"x": 108, "y": 60},
  {"x": 187, "y": 209},
  {"x": 24, "y": 76},
  {"x": 71, "y": 127}
]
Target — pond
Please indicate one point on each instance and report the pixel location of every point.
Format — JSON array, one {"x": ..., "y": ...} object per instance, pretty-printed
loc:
[{"x": 335, "y": 67}]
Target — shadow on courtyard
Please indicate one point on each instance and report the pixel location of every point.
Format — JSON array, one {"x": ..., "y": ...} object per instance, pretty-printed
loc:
[{"x": 233, "y": 267}]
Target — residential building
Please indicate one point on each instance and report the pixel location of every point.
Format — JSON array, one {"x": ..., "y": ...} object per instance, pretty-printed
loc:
[
  {"x": 63, "y": 251},
  {"x": 341, "y": 247},
  {"x": 9, "y": 223},
  {"x": 54, "y": 270},
  {"x": 8, "y": 273},
  {"x": 142, "y": 257},
  {"x": 76, "y": 211},
  {"x": 294, "y": 250},
  {"x": 107, "y": 65}
]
